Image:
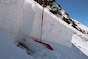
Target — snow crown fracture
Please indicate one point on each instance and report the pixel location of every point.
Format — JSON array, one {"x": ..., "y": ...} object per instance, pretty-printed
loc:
[{"x": 56, "y": 9}]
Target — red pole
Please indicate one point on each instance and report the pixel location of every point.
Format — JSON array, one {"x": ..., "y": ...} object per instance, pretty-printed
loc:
[
  {"x": 42, "y": 12},
  {"x": 47, "y": 45},
  {"x": 42, "y": 22}
]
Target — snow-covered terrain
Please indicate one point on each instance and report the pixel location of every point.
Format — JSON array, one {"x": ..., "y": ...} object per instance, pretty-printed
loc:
[
  {"x": 10, "y": 51},
  {"x": 20, "y": 23},
  {"x": 37, "y": 51}
]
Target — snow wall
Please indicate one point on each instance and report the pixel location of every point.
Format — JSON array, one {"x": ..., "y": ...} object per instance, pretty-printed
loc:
[
  {"x": 53, "y": 28},
  {"x": 11, "y": 16},
  {"x": 19, "y": 20}
]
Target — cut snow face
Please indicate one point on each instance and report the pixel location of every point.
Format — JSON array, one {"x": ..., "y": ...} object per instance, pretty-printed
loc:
[{"x": 53, "y": 28}]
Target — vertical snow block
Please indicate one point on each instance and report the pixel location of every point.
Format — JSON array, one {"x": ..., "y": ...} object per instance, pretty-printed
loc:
[
  {"x": 53, "y": 29},
  {"x": 11, "y": 12},
  {"x": 28, "y": 16},
  {"x": 11, "y": 15}
]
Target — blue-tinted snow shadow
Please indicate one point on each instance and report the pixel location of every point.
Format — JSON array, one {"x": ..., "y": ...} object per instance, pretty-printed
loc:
[{"x": 64, "y": 52}]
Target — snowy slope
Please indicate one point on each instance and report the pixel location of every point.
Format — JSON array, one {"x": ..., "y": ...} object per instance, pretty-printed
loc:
[
  {"x": 82, "y": 27},
  {"x": 81, "y": 43},
  {"x": 22, "y": 20},
  {"x": 10, "y": 51}
]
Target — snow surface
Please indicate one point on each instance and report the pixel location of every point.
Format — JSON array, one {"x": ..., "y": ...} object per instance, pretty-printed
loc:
[
  {"x": 81, "y": 43},
  {"x": 10, "y": 51},
  {"x": 21, "y": 19}
]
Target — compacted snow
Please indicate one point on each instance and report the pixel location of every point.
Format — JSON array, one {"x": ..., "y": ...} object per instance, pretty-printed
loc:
[{"x": 20, "y": 23}]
